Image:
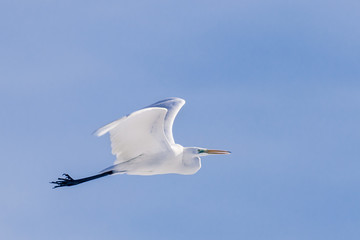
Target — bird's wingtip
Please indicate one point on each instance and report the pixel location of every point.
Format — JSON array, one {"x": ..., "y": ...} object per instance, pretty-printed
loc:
[
  {"x": 170, "y": 99},
  {"x": 98, "y": 133},
  {"x": 103, "y": 130}
]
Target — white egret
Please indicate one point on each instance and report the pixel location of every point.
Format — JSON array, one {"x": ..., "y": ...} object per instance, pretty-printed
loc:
[{"x": 143, "y": 144}]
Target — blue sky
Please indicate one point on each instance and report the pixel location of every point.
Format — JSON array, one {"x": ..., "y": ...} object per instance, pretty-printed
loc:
[{"x": 275, "y": 82}]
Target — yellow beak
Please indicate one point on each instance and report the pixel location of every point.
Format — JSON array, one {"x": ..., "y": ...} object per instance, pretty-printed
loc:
[{"x": 212, "y": 151}]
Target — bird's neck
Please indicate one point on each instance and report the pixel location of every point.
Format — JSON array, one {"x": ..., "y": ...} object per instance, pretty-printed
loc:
[
  {"x": 190, "y": 160},
  {"x": 177, "y": 149}
]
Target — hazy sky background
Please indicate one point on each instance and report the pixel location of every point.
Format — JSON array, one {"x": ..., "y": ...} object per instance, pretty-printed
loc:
[{"x": 276, "y": 82}]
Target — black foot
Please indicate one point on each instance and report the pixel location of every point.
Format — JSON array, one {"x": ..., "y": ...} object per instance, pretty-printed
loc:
[{"x": 65, "y": 182}]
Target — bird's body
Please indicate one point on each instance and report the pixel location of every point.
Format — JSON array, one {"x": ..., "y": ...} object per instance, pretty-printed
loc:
[
  {"x": 174, "y": 161},
  {"x": 143, "y": 144}
]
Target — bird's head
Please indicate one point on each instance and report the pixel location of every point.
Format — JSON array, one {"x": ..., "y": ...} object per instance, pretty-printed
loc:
[
  {"x": 204, "y": 152},
  {"x": 191, "y": 158}
]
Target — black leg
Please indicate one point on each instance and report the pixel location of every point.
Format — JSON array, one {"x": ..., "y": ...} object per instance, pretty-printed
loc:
[{"x": 69, "y": 181}]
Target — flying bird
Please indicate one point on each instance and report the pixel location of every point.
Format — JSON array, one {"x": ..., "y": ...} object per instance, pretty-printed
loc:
[{"x": 143, "y": 144}]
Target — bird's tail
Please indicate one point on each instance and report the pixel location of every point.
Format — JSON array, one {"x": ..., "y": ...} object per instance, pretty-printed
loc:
[{"x": 112, "y": 169}]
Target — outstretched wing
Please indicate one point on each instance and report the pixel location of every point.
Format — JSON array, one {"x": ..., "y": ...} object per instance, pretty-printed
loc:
[
  {"x": 173, "y": 106},
  {"x": 141, "y": 132}
]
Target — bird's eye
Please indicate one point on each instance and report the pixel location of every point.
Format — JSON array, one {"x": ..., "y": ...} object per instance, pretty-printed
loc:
[{"x": 201, "y": 151}]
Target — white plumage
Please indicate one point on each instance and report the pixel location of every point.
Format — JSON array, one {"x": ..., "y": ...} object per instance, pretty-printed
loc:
[{"x": 143, "y": 144}]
